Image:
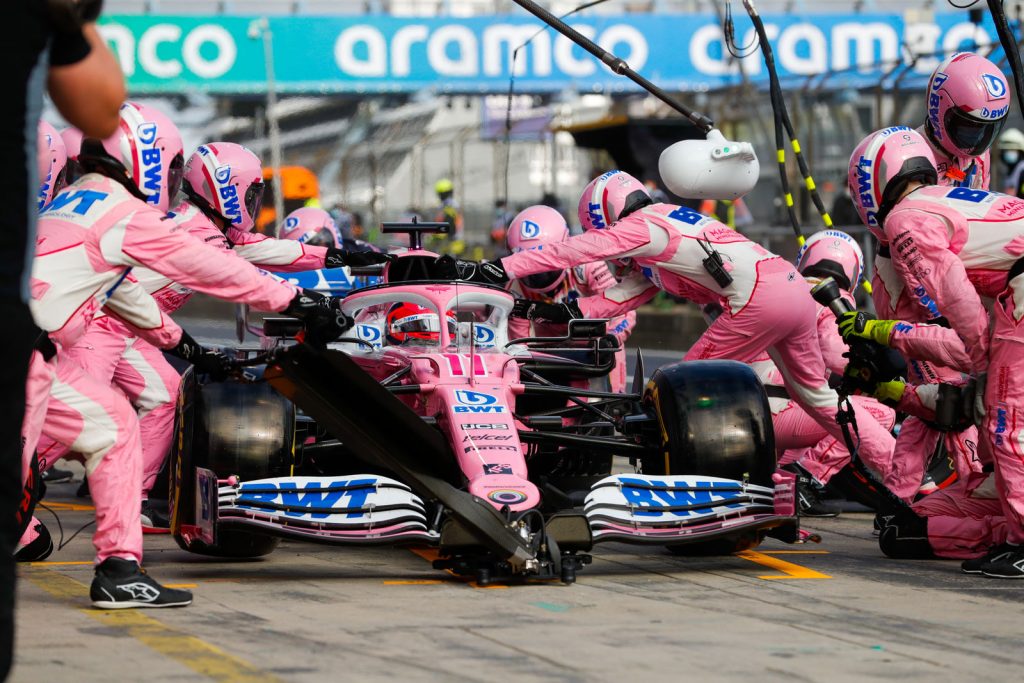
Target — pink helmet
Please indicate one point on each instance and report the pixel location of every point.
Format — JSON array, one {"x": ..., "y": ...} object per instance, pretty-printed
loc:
[
  {"x": 532, "y": 228},
  {"x": 968, "y": 101},
  {"x": 832, "y": 253},
  {"x": 53, "y": 161},
  {"x": 226, "y": 179},
  {"x": 312, "y": 226},
  {"x": 147, "y": 147},
  {"x": 72, "y": 138},
  {"x": 880, "y": 167},
  {"x": 610, "y": 197}
]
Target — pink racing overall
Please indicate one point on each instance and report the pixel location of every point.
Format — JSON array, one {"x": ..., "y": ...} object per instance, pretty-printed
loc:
[
  {"x": 112, "y": 353},
  {"x": 961, "y": 245},
  {"x": 89, "y": 239},
  {"x": 588, "y": 279},
  {"x": 765, "y": 307}
]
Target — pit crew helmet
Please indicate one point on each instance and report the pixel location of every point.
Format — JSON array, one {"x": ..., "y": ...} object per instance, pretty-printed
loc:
[
  {"x": 52, "y": 158},
  {"x": 311, "y": 226},
  {"x": 881, "y": 166},
  {"x": 832, "y": 253},
  {"x": 1011, "y": 146},
  {"x": 72, "y": 138},
  {"x": 968, "y": 100},
  {"x": 611, "y": 197},
  {"x": 532, "y": 228},
  {"x": 226, "y": 179},
  {"x": 146, "y": 148},
  {"x": 411, "y": 324}
]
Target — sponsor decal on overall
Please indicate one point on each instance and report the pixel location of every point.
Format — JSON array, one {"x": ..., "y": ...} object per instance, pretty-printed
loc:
[
  {"x": 82, "y": 199},
  {"x": 288, "y": 493},
  {"x": 484, "y": 425},
  {"x": 1000, "y": 425},
  {"x": 497, "y": 468},
  {"x": 486, "y": 437},
  {"x": 927, "y": 301},
  {"x": 477, "y": 402},
  {"x": 656, "y": 498}
]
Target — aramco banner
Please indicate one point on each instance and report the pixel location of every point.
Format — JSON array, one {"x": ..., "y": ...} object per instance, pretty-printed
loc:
[{"x": 374, "y": 54}]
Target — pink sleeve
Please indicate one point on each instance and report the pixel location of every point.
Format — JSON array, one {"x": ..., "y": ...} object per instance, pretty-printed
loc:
[
  {"x": 599, "y": 280},
  {"x": 632, "y": 292},
  {"x": 282, "y": 256},
  {"x": 920, "y": 247},
  {"x": 919, "y": 401},
  {"x": 832, "y": 345},
  {"x": 933, "y": 343},
  {"x": 627, "y": 235},
  {"x": 130, "y": 304},
  {"x": 159, "y": 244}
]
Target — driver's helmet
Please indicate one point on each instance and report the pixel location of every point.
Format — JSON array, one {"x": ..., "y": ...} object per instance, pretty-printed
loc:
[
  {"x": 52, "y": 158},
  {"x": 312, "y": 226},
  {"x": 533, "y": 228},
  {"x": 227, "y": 179},
  {"x": 411, "y": 324},
  {"x": 832, "y": 253},
  {"x": 968, "y": 100},
  {"x": 146, "y": 148},
  {"x": 72, "y": 138}
]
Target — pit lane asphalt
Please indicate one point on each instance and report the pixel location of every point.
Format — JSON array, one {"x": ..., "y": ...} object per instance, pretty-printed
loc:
[{"x": 837, "y": 611}]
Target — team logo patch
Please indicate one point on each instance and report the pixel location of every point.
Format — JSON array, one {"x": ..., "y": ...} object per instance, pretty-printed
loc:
[
  {"x": 222, "y": 174},
  {"x": 146, "y": 133},
  {"x": 995, "y": 85},
  {"x": 530, "y": 230}
]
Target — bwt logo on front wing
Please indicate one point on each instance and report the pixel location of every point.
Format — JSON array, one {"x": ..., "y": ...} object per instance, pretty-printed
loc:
[
  {"x": 477, "y": 402},
  {"x": 290, "y": 495}
]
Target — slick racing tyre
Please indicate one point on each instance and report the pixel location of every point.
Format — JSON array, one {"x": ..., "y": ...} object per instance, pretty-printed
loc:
[
  {"x": 230, "y": 428},
  {"x": 714, "y": 420}
]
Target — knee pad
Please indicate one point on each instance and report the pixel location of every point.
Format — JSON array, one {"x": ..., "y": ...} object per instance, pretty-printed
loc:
[{"x": 905, "y": 537}]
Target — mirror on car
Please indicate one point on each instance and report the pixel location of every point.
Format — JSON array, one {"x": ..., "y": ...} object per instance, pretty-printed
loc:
[
  {"x": 587, "y": 329},
  {"x": 282, "y": 328}
]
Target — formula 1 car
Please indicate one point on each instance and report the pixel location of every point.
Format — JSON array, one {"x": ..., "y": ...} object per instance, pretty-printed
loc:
[{"x": 498, "y": 452}]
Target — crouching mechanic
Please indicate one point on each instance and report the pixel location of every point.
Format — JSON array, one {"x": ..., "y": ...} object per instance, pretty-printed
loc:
[
  {"x": 807, "y": 449},
  {"x": 223, "y": 188},
  {"x": 90, "y": 237},
  {"x": 960, "y": 245},
  {"x": 766, "y": 305},
  {"x": 539, "y": 227}
]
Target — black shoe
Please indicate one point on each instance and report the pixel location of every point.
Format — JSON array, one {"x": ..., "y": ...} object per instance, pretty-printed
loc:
[
  {"x": 1007, "y": 566},
  {"x": 83, "y": 489},
  {"x": 55, "y": 474},
  {"x": 808, "y": 493},
  {"x": 881, "y": 519},
  {"x": 904, "y": 536},
  {"x": 38, "y": 549},
  {"x": 995, "y": 554},
  {"x": 122, "y": 584},
  {"x": 154, "y": 521}
]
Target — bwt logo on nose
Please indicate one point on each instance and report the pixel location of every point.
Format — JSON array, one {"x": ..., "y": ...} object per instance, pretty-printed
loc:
[{"x": 476, "y": 402}]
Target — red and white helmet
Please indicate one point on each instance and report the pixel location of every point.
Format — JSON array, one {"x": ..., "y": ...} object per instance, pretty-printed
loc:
[
  {"x": 832, "y": 253},
  {"x": 532, "y": 228},
  {"x": 147, "y": 147},
  {"x": 311, "y": 226},
  {"x": 610, "y": 197},
  {"x": 409, "y": 323},
  {"x": 72, "y": 138},
  {"x": 881, "y": 165},
  {"x": 968, "y": 100},
  {"x": 228, "y": 179},
  {"x": 52, "y": 158}
]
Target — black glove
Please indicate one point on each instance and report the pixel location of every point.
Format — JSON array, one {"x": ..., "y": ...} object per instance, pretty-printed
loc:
[
  {"x": 336, "y": 258},
  {"x": 321, "y": 315},
  {"x": 205, "y": 361},
  {"x": 487, "y": 272},
  {"x": 538, "y": 310}
]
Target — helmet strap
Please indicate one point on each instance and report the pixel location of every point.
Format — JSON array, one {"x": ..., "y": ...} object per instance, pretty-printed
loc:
[{"x": 204, "y": 206}]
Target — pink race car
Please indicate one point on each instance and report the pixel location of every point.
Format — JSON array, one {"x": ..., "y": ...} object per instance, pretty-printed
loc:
[{"x": 429, "y": 426}]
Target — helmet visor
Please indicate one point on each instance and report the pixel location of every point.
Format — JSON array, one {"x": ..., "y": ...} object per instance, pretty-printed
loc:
[
  {"x": 970, "y": 134},
  {"x": 541, "y": 282},
  {"x": 254, "y": 198},
  {"x": 324, "y": 237},
  {"x": 419, "y": 329},
  {"x": 174, "y": 174}
]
